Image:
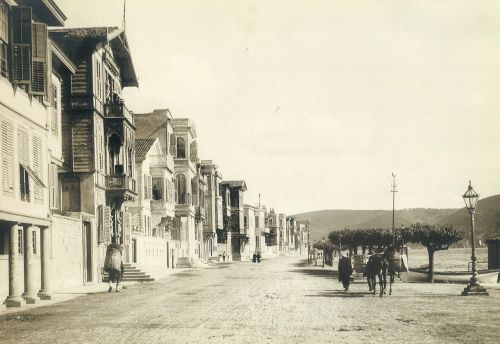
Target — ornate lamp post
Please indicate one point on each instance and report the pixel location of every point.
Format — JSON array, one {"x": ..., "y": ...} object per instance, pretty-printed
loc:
[{"x": 473, "y": 288}]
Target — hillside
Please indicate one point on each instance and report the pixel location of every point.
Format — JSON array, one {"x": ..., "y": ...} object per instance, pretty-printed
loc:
[{"x": 487, "y": 218}]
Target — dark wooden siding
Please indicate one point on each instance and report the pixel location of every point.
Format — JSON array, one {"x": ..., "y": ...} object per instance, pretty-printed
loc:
[
  {"x": 66, "y": 138},
  {"x": 80, "y": 81},
  {"x": 82, "y": 134}
]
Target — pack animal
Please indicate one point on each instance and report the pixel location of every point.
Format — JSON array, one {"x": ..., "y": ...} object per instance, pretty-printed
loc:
[{"x": 380, "y": 265}]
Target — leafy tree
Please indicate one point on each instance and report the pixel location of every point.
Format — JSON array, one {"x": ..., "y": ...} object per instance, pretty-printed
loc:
[
  {"x": 434, "y": 238},
  {"x": 271, "y": 238}
]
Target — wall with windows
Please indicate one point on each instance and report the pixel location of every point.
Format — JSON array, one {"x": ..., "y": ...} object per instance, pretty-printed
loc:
[{"x": 24, "y": 172}]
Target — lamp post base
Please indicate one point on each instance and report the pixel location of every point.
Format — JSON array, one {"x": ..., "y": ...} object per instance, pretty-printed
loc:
[{"x": 475, "y": 290}]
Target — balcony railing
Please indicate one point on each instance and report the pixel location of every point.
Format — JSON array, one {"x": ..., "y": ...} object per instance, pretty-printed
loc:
[
  {"x": 158, "y": 205},
  {"x": 118, "y": 110},
  {"x": 120, "y": 182}
]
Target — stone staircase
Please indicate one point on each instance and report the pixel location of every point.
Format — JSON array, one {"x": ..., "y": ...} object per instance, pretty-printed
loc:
[{"x": 131, "y": 273}]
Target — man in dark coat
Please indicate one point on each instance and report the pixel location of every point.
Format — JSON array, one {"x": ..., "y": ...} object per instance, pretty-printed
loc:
[{"x": 345, "y": 271}]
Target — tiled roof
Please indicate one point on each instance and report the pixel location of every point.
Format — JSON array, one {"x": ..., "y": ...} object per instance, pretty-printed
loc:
[
  {"x": 85, "y": 32},
  {"x": 148, "y": 123},
  {"x": 236, "y": 184},
  {"x": 78, "y": 43},
  {"x": 142, "y": 147}
]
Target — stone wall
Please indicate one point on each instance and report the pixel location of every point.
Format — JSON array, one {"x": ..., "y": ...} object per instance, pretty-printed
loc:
[{"x": 66, "y": 259}]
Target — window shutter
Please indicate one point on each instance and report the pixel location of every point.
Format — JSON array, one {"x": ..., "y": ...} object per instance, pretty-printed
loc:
[
  {"x": 150, "y": 187},
  {"x": 21, "y": 44},
  {"x": 7, "y": 158},
  {"x": 23, "y": 146},
  {"x": 38, "y": 165},
  {"x": 100, "y": 223},
  {"x": 39, "y": 54},
  {"x": 4, "y": 22},
  {"x": 173, "y": 145},
  {"x": 54, "y": 182},
  {"x": 126, "y": 221},
  {"x": 54, "y": 118},
  {"x": 106, "y": 224},
  {"x": 176, "y": 187}
]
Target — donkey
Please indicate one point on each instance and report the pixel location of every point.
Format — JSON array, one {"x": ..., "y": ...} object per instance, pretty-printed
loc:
[{"x": 380, "y": 265}]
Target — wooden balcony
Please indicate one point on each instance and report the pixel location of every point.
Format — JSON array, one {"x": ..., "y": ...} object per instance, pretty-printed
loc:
[
  {"x": 121, "y": 186},
  {"x": 118, "y": 111}
]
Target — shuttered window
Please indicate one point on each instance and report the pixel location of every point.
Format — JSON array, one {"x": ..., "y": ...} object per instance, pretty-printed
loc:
[
  {"x": 176, "y": 192},
  {"x": 54, "y": 186},
  {"x": 23, "y": 146},
  {"x": 4, "y": 39},
  {"x": 39, "y": 51},
  {"x": 54, "y": 109},
  {"x": 38, "y": 166},
  {"x": 126, "y": 221},
  {"x": 4, "y": 22},
  {"x": 104, "y": 224},
  {"x": 150, "y": 187},
  {"x": 7, "y": 158},
  {"x": 21, "y": 44},
  {"x": 173, "y": 145}
]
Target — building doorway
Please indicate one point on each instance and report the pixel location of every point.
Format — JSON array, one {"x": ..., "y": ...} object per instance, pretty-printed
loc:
[
  {"x": 134, "y": 250},
  {"x": 87, "y": 251}
]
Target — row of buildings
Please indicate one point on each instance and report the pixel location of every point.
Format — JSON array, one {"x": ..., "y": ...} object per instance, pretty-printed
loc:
[{"x": 79, "y": 170}]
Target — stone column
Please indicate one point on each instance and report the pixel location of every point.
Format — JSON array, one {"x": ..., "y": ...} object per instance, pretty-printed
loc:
[
  {"x": 44, "y": 293},
  {"x": 229, "y": 249},
  {"x": 29, "y": 286},
  {"x": 14, "y": 299}
]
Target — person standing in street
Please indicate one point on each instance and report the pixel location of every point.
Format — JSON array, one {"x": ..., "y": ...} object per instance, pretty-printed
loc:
[
  {"x": 113, "y": 265},
  {"x": 345, "y": 271}
]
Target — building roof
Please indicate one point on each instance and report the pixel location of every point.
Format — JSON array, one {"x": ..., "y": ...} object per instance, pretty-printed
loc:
[
  {"x": 79, "y": 42},
  {"x": 45, "y": 11},
  {"x": 236, "y": 184},
  {"x": 147, "y": 123},
  {"x": 142, "y": 147}
]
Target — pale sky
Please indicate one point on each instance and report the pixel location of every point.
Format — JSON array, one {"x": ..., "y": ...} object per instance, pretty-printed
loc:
[{"x": 315, "y": 103}]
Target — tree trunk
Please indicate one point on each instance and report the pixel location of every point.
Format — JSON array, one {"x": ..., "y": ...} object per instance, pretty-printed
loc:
[
  {"x": 356, "y": 250},
  {"x": 430, "y": 276},
  {"x": 363, "y": 248}
]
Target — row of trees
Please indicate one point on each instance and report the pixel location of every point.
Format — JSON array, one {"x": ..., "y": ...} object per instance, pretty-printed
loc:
[{"x": 432, "y": 237}]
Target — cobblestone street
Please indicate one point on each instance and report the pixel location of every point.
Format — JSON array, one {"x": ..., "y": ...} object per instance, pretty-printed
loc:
[{"x": 277, "y": 301}]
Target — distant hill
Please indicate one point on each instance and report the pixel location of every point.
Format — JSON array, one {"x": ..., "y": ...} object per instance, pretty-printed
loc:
[{"x": 487, "y": 218}]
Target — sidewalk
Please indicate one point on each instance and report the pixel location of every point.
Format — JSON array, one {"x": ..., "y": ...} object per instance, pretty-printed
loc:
[{"x": 83, "y": 290}]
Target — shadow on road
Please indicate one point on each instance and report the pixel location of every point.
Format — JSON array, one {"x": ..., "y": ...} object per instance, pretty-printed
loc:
[
  {"x": 339, "y": 293},
  {"x": 317, "y": 272}
]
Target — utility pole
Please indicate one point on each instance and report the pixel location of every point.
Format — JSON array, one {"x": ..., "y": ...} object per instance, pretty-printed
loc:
[{"x": 393, "y": 190}]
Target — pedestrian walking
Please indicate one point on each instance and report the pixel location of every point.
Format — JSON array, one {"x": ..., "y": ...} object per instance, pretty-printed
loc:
[
  {"x": 254, "y": 257},
  {"x": 113, "y": 265},
  {"x": 345, "y": 271},
  {"x": 258, "y": 257},
  {"x": 224, "y": 256}
]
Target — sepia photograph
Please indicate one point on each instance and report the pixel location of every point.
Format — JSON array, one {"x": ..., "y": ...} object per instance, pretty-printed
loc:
[{"x": 249, "y": 171}]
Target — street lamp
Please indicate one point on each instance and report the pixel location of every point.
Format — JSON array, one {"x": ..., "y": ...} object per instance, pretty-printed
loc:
[{"x": 473, "y": 288}]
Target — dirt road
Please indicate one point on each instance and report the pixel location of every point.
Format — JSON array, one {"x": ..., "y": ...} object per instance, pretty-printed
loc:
[{"x": 276, "y": 301}]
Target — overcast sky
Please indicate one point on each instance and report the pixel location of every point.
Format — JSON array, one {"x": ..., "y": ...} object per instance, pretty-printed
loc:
[{"x": 315, "y": 103}]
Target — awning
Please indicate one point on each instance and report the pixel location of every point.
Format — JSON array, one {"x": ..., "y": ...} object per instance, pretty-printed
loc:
[{"x": 33, "y": 175}]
